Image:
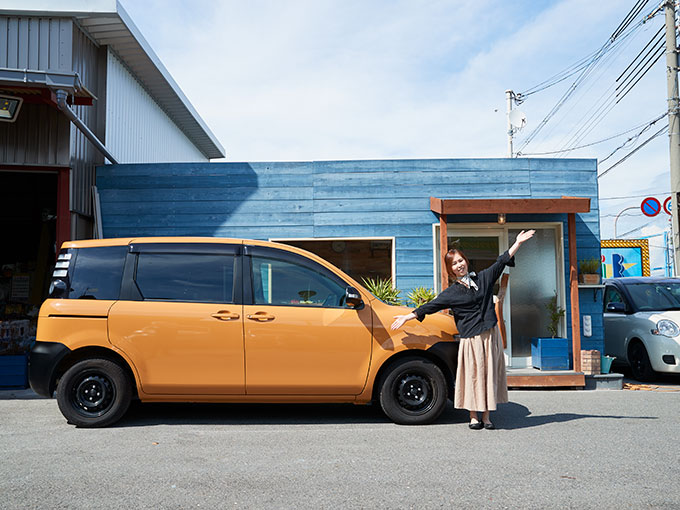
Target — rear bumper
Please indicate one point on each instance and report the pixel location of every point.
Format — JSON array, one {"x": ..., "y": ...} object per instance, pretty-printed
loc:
[{"x": 42, "y": 363}]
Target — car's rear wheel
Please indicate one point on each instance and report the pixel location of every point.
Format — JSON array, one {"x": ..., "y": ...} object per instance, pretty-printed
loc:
[
  {"x": 639, "y": 362},
  {"x": 413, "y": 392},
  {"x": 94, "y": 393}
]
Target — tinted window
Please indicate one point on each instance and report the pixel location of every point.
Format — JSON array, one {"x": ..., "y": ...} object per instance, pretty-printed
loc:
[
  {"x": 655, "y": 296},
  {"x": 186, "y": 277},
  {"x": 277, "y": 282},
  {"x": 97, "y": 273},
  {"x": 612, "y": 296}
]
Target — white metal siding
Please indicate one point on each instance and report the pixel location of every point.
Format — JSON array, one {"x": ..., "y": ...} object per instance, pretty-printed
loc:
[{"x": 137, "y": 129}]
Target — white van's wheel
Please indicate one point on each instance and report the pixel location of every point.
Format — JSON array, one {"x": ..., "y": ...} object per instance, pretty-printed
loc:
[
  {"x": 413, "y": 392},
  {"x": 94, "y": 393}
]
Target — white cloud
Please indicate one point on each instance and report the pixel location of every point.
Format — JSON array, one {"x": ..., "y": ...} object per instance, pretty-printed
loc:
[{"x": 350, "y": 79}]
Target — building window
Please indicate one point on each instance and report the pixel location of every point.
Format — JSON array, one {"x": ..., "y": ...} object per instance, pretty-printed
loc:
[{"x": 359, "y": 258}]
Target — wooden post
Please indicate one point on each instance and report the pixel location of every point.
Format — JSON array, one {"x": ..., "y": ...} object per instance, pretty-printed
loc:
[
  {"x": 443, "y": 249},
  {"x": 573, "y": 293}
]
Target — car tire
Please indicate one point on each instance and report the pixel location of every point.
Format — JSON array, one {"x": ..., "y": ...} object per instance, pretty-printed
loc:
[
  {"x": 413, "y": 392},
  {"x": 94, "y": 393},
  {"x": 640, "y": 365}
]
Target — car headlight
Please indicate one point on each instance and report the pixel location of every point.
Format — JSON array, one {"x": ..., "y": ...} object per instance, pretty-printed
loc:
[{"x": 666, "y": 327}]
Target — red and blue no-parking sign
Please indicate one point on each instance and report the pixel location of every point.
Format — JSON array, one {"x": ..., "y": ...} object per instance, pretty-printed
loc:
[
  {"x": 650, "y": 206},
  {"x": 667, "y": 206}
]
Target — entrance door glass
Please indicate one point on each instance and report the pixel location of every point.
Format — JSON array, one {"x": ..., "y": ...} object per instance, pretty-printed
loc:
[
  {"x": 481, "y": 251},
  {"x": 533, "y": 282}
]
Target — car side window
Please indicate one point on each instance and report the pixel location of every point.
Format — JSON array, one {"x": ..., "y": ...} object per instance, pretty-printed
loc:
[
  {"x": 200, "y": 278},
  {"x": 279, "y": 282},
  {"x": 612, "y": 295},
  {"x": 98, "y": 272}
]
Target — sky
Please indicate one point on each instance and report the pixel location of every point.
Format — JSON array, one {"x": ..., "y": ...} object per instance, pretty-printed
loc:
[{"x": 291, "y": 80}]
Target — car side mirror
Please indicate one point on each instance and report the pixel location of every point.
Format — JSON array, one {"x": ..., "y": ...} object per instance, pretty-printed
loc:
[
  {"x": 616, "y": 307},
  {"x": 58, "y": 289},
  {"x": 353, "y": 298}
]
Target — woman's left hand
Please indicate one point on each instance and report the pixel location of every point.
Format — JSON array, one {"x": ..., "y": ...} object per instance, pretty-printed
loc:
[{"x": 525, "y": 235}]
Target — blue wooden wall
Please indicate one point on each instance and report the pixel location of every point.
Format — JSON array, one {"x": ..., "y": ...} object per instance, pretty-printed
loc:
[{"x": 344, "y": 199}]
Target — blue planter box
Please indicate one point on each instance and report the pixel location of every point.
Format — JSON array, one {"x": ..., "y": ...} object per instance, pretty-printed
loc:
[
  {"x": 550, "y": 353},
  {"x": 14, "y": 371}
]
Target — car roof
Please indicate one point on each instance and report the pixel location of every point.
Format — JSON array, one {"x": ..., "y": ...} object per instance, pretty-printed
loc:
[{"x": 632, "y": 280}]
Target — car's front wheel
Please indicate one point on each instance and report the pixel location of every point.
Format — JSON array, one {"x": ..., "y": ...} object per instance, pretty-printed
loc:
[
  {"x": 413, "y": 392},
  {"x": 639, "y": 362},
  {"x": 94, "y": 393}
]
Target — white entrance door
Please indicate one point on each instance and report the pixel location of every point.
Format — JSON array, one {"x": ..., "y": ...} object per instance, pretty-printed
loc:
[{"x": 533, "y": 281}]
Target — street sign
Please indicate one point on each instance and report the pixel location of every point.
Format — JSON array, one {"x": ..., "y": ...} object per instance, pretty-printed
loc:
[
  {"x": 650, "y": 206},
  {"x": 667, "y": 206}
]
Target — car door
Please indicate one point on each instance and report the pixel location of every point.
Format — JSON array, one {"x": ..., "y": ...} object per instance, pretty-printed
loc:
[
  {"x": 616, "y": 324},
  {"x": 180, "y": 321},
  {"x": 300, "y": 337}
]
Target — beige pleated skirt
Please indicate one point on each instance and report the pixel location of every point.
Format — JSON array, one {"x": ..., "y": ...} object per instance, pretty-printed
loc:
[{"x": 481, "y": 382}]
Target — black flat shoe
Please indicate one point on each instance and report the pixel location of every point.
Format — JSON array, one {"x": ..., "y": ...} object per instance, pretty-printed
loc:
[
  {"x": 489, "y": 426},
  {"x": 476, "y": 425}
]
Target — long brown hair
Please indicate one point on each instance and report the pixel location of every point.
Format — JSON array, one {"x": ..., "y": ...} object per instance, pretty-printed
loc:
[{"x": 448, "y": 261}]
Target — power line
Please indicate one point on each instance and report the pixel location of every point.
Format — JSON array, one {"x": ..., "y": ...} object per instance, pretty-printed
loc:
[
  {"x": 659, "y": 132},
  {"x": 636, "y": 196},
  {"x": 634, "y": 138},
  {"x": 585, "y": 73},
  {"x": 646, "y": 125}
]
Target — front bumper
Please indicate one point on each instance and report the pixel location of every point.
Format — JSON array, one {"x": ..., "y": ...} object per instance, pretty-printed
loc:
[{"x": 43, "y": 361}]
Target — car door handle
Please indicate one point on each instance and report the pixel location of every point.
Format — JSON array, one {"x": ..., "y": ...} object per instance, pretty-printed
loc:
[
  {"x": 260, "y": 316},
  {"x": 226, "y": 315}
]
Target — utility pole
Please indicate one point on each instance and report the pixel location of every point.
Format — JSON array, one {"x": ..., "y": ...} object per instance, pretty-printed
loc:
[
  {"x": 509, "y": 96},
  {"x": 673, "y": 124}
]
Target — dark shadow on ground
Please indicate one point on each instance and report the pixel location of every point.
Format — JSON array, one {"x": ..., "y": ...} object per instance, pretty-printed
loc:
[
  {"x": 150, "y": 414},
  {"x": 513, "y": 416}
]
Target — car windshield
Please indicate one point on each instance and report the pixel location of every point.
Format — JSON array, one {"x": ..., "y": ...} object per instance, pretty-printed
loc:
[{"x": 655, "y": 296}]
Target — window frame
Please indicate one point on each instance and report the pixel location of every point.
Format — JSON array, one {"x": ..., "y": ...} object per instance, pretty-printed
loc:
[
  {"x": 131, "y": 292},
  {"x": 250, "y": 251}
]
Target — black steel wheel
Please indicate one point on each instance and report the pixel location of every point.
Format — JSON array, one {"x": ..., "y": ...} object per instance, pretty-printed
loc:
[
  {"x": 413, "y": 392},
  {"x": 94, "y": 393},
  {"x": 640, "y": 365}
]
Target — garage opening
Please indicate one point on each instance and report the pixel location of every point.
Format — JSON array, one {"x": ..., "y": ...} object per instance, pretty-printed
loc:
[{"x": 28, "y": 208}]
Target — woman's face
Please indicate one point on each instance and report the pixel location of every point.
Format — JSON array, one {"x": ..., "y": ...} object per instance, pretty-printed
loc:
[{"x": 459, "y": 265}]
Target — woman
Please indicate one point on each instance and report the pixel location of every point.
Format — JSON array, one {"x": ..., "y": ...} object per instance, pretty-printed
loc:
[{"x": 480, "y": 378}]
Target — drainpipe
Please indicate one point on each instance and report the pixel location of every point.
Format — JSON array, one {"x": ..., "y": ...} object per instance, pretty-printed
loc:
[{"x": 61, "y": 103}]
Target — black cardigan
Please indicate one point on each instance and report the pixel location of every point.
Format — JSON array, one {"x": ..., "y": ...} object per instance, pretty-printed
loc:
[{"x": 473, "y": 309}]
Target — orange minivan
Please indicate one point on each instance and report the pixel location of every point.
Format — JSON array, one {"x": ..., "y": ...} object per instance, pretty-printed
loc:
[{"x": 182, "y": 319}]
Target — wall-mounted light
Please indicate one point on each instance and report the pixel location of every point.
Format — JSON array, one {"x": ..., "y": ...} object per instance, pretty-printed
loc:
[
  {"x": 9, "y": 108},
  {"x": 501, "y": 218}
]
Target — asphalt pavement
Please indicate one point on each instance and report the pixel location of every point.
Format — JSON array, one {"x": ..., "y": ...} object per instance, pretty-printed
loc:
[{"x": 552, "y": 449}]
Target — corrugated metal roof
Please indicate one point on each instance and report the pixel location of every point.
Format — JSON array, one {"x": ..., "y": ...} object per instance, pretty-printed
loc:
[{"x": 108, "y": 24}]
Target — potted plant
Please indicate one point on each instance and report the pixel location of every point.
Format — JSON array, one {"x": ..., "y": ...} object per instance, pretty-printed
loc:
[
  {"x": 589, "y": 271},
  {"x": 383, "y": 289},
  {"x": 551, "y": 353},
  {"x": 420, "y": 295}
]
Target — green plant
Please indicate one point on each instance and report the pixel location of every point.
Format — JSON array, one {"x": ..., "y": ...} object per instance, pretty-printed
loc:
[
  {"x": 420, "y": 295},
  {"x": 383, "y": 289},
  {"x": 556, "y": 313},
  {"x": 589, "y": 266}
]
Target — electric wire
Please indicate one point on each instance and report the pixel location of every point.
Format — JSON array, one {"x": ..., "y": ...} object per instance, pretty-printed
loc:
[
  {"x": 635, "y": 196},
  {"x": 633, "y": 138},
  {"x": 625, "y": 30},
  {"x": 585, "y": 73},
  {"x": 650, "y": 63},
  {"x": 658, "y": 133},
  {"x": 597, "y": 114},
  {"x": 645, "y": 125},
  {"x": 635, "y": 10}
]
